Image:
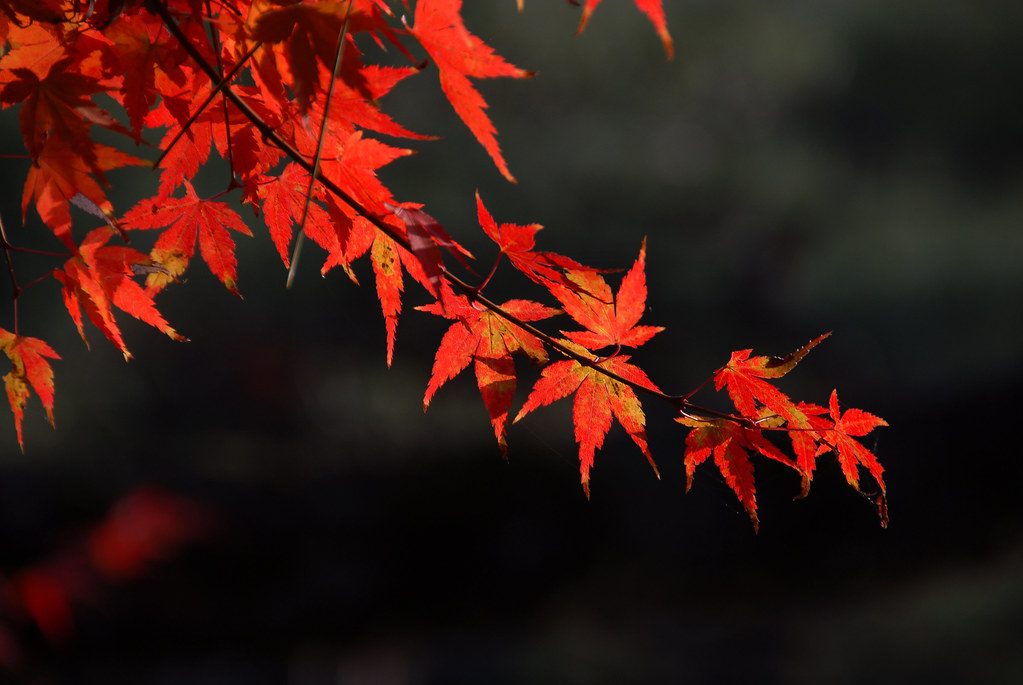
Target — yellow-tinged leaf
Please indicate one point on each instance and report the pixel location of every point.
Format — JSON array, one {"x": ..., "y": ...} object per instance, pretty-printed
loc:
[{"x": 29, "y": 369}]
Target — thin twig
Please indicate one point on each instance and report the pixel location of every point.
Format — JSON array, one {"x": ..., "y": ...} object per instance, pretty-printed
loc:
[
  {"x": 209, "y": 98},
  {"x": 319, "y": 148},
  {"x": 215, "y": 40}
]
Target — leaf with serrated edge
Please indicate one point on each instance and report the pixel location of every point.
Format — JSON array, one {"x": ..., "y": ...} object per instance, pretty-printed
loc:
[
  {"x": 597, "y": 398},
  {"x": 488, "y": 340},
  {"x": 29, "y": 369}
]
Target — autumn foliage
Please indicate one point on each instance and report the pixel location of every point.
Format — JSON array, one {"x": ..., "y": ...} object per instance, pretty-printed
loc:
[{"x": 287, "y": 94}]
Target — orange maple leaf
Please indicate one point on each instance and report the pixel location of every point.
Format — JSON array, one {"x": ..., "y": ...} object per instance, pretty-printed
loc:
[
  {"x": 187, "y": 219},
  {"x": 598, "y": 398},
  {"x": 29, "y": 369},
  {"x": 353, "y": 163},
  {"x": 359, "y": 107},
  {"x": 481, "y": 336},
  {"x": 460, "y": 55},
  {"x": 359, "y": 236}
]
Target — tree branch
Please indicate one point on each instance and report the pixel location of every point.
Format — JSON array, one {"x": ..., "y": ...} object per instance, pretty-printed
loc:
[{"x": 679, "y": 403}]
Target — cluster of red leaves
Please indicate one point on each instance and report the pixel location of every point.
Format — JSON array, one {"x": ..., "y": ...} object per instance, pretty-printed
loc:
[
  {"x": 761, "y": 407},
  {"x": 284, "y": 91}
]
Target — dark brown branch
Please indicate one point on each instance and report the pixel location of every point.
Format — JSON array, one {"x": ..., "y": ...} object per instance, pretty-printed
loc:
[{"x": 680, "y": 403}]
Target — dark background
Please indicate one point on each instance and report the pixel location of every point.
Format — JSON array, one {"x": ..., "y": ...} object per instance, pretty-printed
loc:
[{"x": 800, "y": 166}]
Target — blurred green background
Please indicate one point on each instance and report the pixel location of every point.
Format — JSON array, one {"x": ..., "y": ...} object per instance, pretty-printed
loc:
[{"x": 800, "y": 166}]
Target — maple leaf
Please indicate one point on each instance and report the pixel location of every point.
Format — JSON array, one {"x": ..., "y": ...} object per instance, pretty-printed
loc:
[
  {"x": 55, "y": 103},
  {"x": 840, "y": 436},
  {"x": 481, "y": 336},
  {"x": 651, "y": 8},
  {"x": 187, "y": 219},
  {"x": 149, "y": 59},
  {"x": 460, "y": 55},
  {"x": 730, "y": 444},
  {"x": 61, "y": 173},
  {"x": 309, "y": 34},
  {"x": 517, "y": 243},
  {"x": 360, "y": 236},
  {"x": 358, "y": 107},
  {"x": 598, "y": 398},
  {"x": 284, "y": 197},
  {"x": 353, "y": 163},
  {"x": 609, "y": 321},
  {"x": 745, "y": 380},
  {"x": 386, "y": 258},
  {"x": 29, "y": 369},
  {"x": 99, "y": 278}
]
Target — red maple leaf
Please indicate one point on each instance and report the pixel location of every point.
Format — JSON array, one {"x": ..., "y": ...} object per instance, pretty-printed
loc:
[
  {"x": 460, "y": 55},
  {"x": 188, "y": 218},
  {"x": 744, "y": 377},
  {"x": 284, "y": 197},
  {"x": 150, "y": 60},
  {"x": 359, "y": 107},
  {"x": 55, "y": 102},
  {"x": 481, "y": 336},
  {"x": 308, "y": 34},
  {"x": 840, "y": 437},
  {"x": 353, "y": 164},
  {"x": 60, "y": 173},
  {"x": 385, "y": 255},
  {"x": 189, "y": 152},
  {"x": 730, "y": 444},
  {"x": 517, "y": 243},
  {"x": 608, "y": 320},
  {"x": 598, "y": 398},
  {"x": 29, "y": 369},
  {"x": 99, "y": 278},
  {"x": 651, "y": 8},
  {"x": 359, "y": 236}
]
